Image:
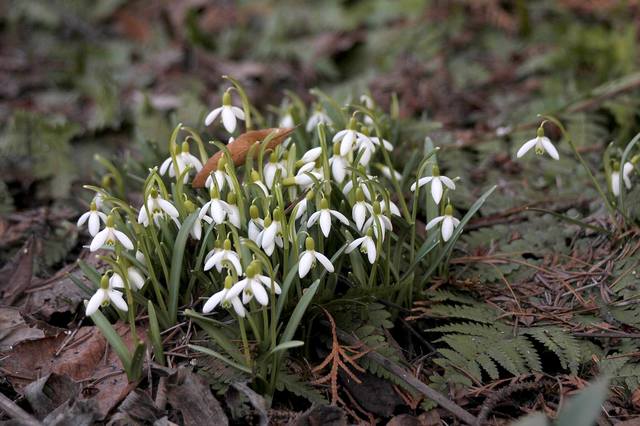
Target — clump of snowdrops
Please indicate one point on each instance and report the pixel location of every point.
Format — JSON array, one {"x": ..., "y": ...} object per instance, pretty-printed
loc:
[{"x": 322, "y": 216}]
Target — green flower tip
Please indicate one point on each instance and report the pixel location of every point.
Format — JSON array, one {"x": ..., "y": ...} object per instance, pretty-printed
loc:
[
  {"x": 232, "y": 198},
  {"x": 352, "y": 122},
  {"x": 93, "y": 206},
  {"x": 110, "y": 221},
  {"x": 359, "y": 195},
  {"x": 255, "y": 176},
  {"x": 435, "y": 170},
  {"x": 222, "y": 162},
  {"x": 336, "y": 148},
  {"x": 227, "y": 244},
  {"x": 277, "y": 215},
  {"x": 213, "y": 191},
  {"x": 273, "y": 157},
  {"x": 106, "y": 181},
  {"x": 228, "y": 282},
  {"x": 540, "y": 132},
  {"x": 104, "y": 281},
  {"x": 253, "y": 269},
  {"x": 226, "y": 98},
  {"x": 324, "y": 204},
  {"x": 310, "y": 195},
  {"x": 309, "y": 244},
  {"x": 190, "y": 206},
  {"x": 153, "y": 193},
  {"x": 376, "y": 209},
  {"x": 254, "y": 212},
  {"x": 185, "y": 146},
  {"x": 448, "y": 211}
]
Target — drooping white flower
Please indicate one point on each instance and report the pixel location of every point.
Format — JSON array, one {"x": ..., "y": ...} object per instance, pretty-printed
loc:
[
  {"x": 541, "y": 143},
  {"x": 135, "y": 277},
  {"x": 615, "y": 178},
  {"x": 233, "y": 212},
  {"x": 339, "y": 164},
  {"x": 287, "y": 121},
  {"x": 449, "y": 223},
  {"x": 308, "y": 259},
  {"x": 254, "y": 285},
  {"x": 367, "y": 102},
  {"x": 219, "y": 176},
  {"x": 323, "y": 216},
  {"x": 318, "y": 116},
  {"x": 388, "y": 172},
  {"x": 393, "y": 208},
  {"x": 184, "y": 160},
  {"x": 271, "y": 235},
  {"x": 196, "y": 229},
  {"x": 437, "y": 182},
  {"x": 377, "y": 216},
  {"x": 215, "y": 206},
  {"x": 105, "y": 295},
  {"x": 367, "y": 245},
  {"x": 360, "y": 184},
  {"x": 271, "y": 170},
  {"x": 306, "y": 175},
  {"x": 221, "y": 298},
  {"x": 230, "y": 114},
  {"x": 109, "y": 235},
  {"x": 221, "y": 258},
  {"x": 255, "y": 180},
  {"x": 311, "y": 156},
  {"x": 157, "y": 207},
  {"x": 93, "y": 218},
  {"x": 255, "y": 225},
  {"x": 360, "y": 209},
  {"x": 348, "y": 137}
]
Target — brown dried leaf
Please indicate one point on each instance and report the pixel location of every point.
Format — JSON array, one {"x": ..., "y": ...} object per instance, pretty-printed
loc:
[
  {"x": 13, "y": 329},
  {"x": 189, "y": 393}
]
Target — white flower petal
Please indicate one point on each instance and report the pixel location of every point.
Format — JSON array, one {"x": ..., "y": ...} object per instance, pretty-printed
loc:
[
  {"x": 324, "y": 260},
  {"x": 228, "y": 119},
  {"x": 168, "y": 208},
  {"x": 213, "y": 301},
  {"x": 124, "y": 240},
  {"x": 548, "y": 146},
  {"x": 371, "y": 250},
  {"x": 99, "y": 239},
  {"x": 447, "y": 228},
  {"x": 305, "y": 263},
  {"x": 526, "y": 147},
  {"x": 433, "y": 222},
  {"x": 82, "y": 219},
  {"x": 260, "y": 293},
  {"x": 94, "y": 223},
  {"x": 436, "y": 190},
  {"x": 96, "y": 301},
  {"x": 325, "y": 222},
  {"x": 116, "y": 298},
  {"x": 353, "y": 244}
]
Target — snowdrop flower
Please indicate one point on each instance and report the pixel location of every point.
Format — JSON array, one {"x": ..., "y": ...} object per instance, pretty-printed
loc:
[
  {"x": 271, "y": 170},
  {"x": 233, "y": 212},
  {"x": 196, "y": 229},
  {"x": 367, "y": 245},
  {"x": 157, "y": 207},
  {"x": 359, "y": 210},
  {"x": 230, "y": 114},
  {"x": 221, "y": 298},
  {"x": 109, "y": 235},
  {"x": 220, "y": 176},
  {"x": 218, "y": 257},
  {"x": 388, "y": 172},
  {"x": 437, "y": 182},
  {"x": 378, "y": 216},
  {"x": 305, "y": 176},
  {"x": 93, "y": 218},
  {"x": 615, "y": 178},
  {"x": 310, "y": 156},
  {"x": 308, "y": 259},
  {"x": 348, "y": 187},
  {"x": 449, "y": 223},
  {"x": 287, "y": 120},
  {"x": 140, "y": 256},
  {"x": 105, "y": 295},
  {"x": 339, "y": 164},
  {"x": 215, "y": 206},
  {"x": 255, "y": 224},
  {"x": 369, "y": 104},
  {"x": 541, "y": 143},
  {"x": 254, "y": 285},
  {"x": 301, "y": 207},
  {"x": 134, "y": 276},
  {"x": 255, "y": 179},
  {"x": 271, "y": 234},
  {"x": 348, "y": 137},
  {"x": 393, "y": 208},
  {"x": 184, "y": 160},
  {"x": 324, "y": 216},
  {"x": 316, "y": 118}
]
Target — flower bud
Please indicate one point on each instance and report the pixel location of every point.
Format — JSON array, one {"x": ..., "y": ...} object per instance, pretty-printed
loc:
[
  {"x": 309, "y": 244},
  {"x": 324, "y": 204},
  {"x": 226, "y": 98},
  {"x": 254, "y": 212}
]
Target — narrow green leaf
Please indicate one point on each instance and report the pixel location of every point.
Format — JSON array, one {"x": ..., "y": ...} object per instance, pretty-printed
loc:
[
  {"x": 113, "y": 338},
  {"x": 154, "y": 334},
  {"x": 287, "y": 345},
  {"x": 298, "y": 312},
  {"x": 176, "y": 265},
  {"x": 220, "y": 357}
]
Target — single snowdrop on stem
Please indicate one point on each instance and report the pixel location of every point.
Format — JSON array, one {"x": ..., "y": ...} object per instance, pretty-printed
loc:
[
  {"x": 220, "y": 176},
  {"x": 360, "y": 209},
  {"x": 109, "y": 236},
  {"x": 378, "y": 217},
  {"x": 230, "y": 114},
  {"x": 437, "y": 182},
  {"x": 615, "y": 177},
  {"x": 348, "y": 137},
  {"x": 223, "y": 258},
  {"x": 254, "y": 285},
  {"x": 318, "y": 116},
  {"x": 215, "y": 206},
  {"x": 308, "y": 259},
  {"x": 339, "y": 164},
  {"x": 271, "y": 169},
  {"x": 92, "y": 218},
  {"x": 270, "y": 236},
  {"x": 323, "y": 216},
  {"x": 367, "y": 245},
  {"x": 105, "y": 295},
  {"x": 157, "y": 207},
  {"x": 221, "y": 298},
  {"x": 134, "y": 276},
  {"x": 449, "y": 223},
  {"x": 541, "y": 143},
  {"x": 184, "y": 160},
  {"x": 255, "y": 225}
]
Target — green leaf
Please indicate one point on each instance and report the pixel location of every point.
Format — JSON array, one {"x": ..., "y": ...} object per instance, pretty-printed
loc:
[
  {"x": 287, "y": 345},
  {"x": 114, "y": 339},
  {"x": 220, "y": 357},
  {"x": 299, "y": 312},
  {"x": 154, "y": 334},
  {"x": 176, "y": 265}
]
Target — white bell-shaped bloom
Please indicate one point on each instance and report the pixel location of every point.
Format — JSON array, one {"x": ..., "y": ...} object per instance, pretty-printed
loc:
[
  {"x": 323, "y": 216},
  {"x": 316, "y": 118},
  {"x": 230, "y": 114},
  {"x": 360, "y": 209},
  {"x": 254, "y": 285},
  {"x": 348, "y": 138},
  {"x": 108, "y": 236},
  {"x": 271, "y": 170},
  {"x": 196, "y": 229},
  {"x": 449, "y": 223},
  {"x": 615, "y": 178},
  {"x": 309, "y": 257},
  {"x": 157, "y": 207},
  {"x": 271, "y": 235},
  {"x": 216, "y": 207},
  {"x": 222, "y": 258},
  {"x": 437, "y": 184},
  {"x": 221, "y": 298},
  {"x": 287, "y": 121},
  {"x": 541, "y": 143},
  {"x": 184, "y": 160},
  {"x": 339, "y": 164},
  {"x": 367, "y": 245},
  {"x": 377, "y": 216},
  {"x": 219, "y": 176},
  {"x": 135, "y": 277},
  {"x": 92, "y": 218},
  {"x": 105, "y": 295}
]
